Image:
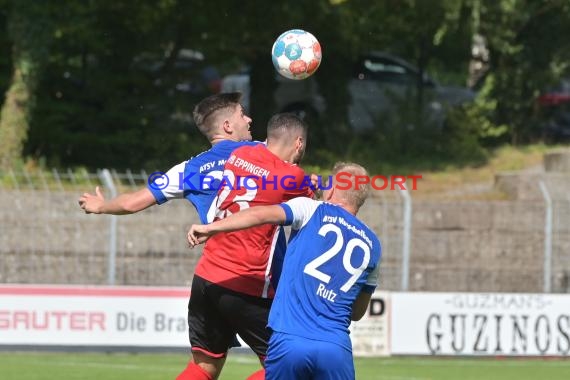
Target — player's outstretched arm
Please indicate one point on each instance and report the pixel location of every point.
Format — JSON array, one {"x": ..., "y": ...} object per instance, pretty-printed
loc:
[
  {"x": 250, "y": 217},
  {"x": 127, "y": 203}
]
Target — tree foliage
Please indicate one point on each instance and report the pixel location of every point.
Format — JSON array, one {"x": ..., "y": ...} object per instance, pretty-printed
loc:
[
  {"x": 114, "y": 81},
  {"x": 29, "y": 25},
  {"x": 529, "y": 48}
]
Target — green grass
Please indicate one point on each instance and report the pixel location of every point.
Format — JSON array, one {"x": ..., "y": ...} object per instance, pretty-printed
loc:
[{"x": 95, "y": 366}]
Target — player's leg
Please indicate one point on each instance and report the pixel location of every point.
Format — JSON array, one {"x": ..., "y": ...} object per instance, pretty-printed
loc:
[
  {"x": 289, "y": 357},
  {"x": 210, "y": 335},
  {"x": 258, "y": 375},
  {"x": 249, "y": 317},
  {"x": 202, "y": 367}
]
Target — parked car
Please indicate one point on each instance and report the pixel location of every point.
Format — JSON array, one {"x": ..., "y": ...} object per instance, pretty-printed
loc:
[
  {"x": 555, "y": 102},
  {"x": 189, "y": 73},
  {"x": 556, "y": 95},
  {"x": 379, "y": 81}
]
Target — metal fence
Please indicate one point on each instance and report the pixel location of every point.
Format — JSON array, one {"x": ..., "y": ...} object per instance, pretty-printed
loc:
[
  {"x": 46, "y": 238},
  {"x": 427, "y": 245}
]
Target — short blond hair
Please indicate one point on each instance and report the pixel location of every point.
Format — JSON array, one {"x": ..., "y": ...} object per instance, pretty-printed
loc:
[{"x": 355, "y": 195}]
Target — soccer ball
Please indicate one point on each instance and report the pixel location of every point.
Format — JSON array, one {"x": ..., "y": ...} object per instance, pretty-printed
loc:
[{"x": 296, "y": 54}]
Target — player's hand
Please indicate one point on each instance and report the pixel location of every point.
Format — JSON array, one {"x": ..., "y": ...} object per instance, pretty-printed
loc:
[
  {"x": 198, "y": 234},
  {"x": 314, "y": 180},
  {"x": 315, "y": 186},
  {"x": 92, "y": 203}
]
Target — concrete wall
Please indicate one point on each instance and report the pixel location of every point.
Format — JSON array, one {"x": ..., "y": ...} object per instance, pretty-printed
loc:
[{"x": 456, "y": 246}]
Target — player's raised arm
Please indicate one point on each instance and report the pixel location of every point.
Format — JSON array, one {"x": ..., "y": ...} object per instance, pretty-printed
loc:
[
  {"x": 250, "y": 217},
  {"x": 127, "y": 203}
]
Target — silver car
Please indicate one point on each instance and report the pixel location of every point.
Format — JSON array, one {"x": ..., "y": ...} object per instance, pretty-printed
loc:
[{"x": 380, "y": 86}]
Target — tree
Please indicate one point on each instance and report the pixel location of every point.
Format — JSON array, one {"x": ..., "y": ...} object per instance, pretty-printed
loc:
[
  {"x": 529, "y": 47},
  {"x": 30, "y": 29},
  {"x": 425, "y": 32},
  {"x": 98, "y": 82},
  {"x": 109, "y": 94}
]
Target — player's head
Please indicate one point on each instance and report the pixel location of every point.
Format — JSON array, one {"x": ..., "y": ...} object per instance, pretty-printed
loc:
[
  {"x": 221, "y": 116},
  {"x": 354, "y": 196},
  {"x": 287, "y": 133}
]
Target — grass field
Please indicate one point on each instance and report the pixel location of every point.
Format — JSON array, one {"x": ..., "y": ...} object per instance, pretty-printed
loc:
[{"x": 94, "y": 366}]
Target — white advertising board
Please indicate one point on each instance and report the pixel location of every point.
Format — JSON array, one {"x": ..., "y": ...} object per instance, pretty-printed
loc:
[
  {"x": 370, "y": 335},
  {"x": 38, "y": 315},
  {"x": 480, "y": 324},
  {"x": 93, "y": 316}
]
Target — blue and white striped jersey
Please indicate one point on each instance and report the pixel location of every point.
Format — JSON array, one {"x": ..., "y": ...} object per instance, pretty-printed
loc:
[{"x": 193, "y": 179}]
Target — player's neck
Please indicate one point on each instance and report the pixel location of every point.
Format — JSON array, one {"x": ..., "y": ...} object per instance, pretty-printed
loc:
[
  {"x": 219, "y": 138},
  {"x": 284, "y": 153},
  {"x": 340, "y": 202},
  {"x": 349, "y": 209}
]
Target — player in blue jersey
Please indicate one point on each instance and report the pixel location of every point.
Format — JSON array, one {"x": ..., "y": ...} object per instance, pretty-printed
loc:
[
  {"x": 329, "y": 274},
  {"x": 221, "y": 119}
]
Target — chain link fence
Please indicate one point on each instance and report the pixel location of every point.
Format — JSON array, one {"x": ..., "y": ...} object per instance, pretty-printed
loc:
[
  {"x": 46, "y": 238},
  {"x": 494, "y": 246}
]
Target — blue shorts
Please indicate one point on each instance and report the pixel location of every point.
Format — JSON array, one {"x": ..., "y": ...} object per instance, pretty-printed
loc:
[{"x": 293, "y": 357}]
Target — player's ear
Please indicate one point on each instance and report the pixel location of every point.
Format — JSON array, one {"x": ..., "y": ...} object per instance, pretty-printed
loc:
[
  {"x": 227, "y": 126},
  {"x": 328, "y": 193},
  {"x": 299, "y": 143}
]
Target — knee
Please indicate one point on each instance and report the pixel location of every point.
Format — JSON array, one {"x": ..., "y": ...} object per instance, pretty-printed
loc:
[{"x": 209, "y": 364}]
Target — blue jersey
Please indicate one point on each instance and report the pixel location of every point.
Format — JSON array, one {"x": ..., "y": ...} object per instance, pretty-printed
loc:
[
  {"x": 197, "y": 179},
  {"x": 332, "y": 256}
]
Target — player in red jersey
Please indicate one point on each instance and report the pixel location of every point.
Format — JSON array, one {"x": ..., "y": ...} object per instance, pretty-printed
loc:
[{"x": 232, "y": 289}]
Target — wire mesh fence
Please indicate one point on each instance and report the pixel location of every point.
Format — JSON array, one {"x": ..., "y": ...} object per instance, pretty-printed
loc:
[
  {"x": 46, "y": 238},
  {"x": 441, "y": 246}
]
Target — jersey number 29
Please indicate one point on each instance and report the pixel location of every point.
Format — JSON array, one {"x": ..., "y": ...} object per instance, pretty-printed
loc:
[{"x": 312, "y": 268}]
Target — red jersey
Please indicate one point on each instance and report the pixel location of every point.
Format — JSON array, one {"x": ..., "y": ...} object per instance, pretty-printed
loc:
[{"x": 241, "y": 260}]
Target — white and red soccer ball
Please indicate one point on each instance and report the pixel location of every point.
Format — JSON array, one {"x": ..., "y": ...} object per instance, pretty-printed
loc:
[{"x": 296, "y": 54}]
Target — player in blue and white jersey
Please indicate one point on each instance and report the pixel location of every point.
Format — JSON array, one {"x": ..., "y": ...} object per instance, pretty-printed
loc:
[
  {"x": 197, "y": 179},
  {"x": 221, "y": 119},
  {"x": 329, "y": 274}
]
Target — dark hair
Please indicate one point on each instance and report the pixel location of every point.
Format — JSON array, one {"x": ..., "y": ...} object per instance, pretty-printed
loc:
[
  {"x": 283, "y": 124},
  {"x": 211, "y": 105}
]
